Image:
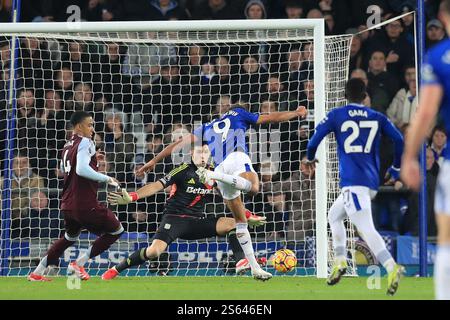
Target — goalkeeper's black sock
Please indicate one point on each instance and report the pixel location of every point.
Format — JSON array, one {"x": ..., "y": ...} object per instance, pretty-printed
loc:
[
  {"x": 235, "y": 245},
  {"x": 136, "y": 258}
]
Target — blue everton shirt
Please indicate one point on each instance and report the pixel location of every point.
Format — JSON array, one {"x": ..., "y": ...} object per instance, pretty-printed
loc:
[
  {"x": 436, "y": 71},
  {"x": 358, "y": 132},
  {"x": 227, "y": 134}
]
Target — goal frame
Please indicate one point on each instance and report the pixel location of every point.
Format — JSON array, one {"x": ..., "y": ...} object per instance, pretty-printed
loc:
[{"x": 318, "y": 27}]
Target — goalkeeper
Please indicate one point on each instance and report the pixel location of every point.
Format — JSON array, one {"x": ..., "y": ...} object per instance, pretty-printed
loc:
[{"x": 184, "y": 216}]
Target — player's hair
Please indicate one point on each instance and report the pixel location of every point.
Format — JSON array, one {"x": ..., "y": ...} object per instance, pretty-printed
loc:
[
  {"x": 355, "y": 90},
  {"x": 78, "y": 117}
]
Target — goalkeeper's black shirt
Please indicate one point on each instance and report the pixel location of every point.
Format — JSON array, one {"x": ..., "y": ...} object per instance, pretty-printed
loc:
[{"x": 187, "y": 193}]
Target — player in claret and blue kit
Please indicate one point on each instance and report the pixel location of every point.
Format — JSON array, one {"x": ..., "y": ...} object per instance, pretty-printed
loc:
[
  {"x": 358, "y": 131},
  {"x": 434, "y": 98},
  {"x": 79, "y": 202}
]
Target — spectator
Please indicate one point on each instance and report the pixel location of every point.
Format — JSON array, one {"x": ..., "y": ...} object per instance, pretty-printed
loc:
[
  {"x": 297, "y": 72},
  {"x": 439, "y": 143},
  {"x": 143, "y": 61},
  {"x": 294, "y": 9},
  {"x": 404, "y": 105},
  {"x": 314, "y": 14},
  {"x": 64, "y": 84},
  {"x": 252, "y": 77},
  {"x": 23, "y": 182},
  {"x": 154, "y": 145},
  {"x": 97, "y": 10},
  {"x": 356, "y": 54},
  {"x": 412, "y": 218},
  {"x": 120, "y": 147},
  {"x": 255, "y": 9},
  {"x": 111, "y": 80},
  {"x": 276, "y": 212},
  {"x": 308, "y": 101},
  {"x": 5, "y": 55},
  {"x": 397, "y": 49},
  {"x": 82, "y": 64},
  {"x": 51, "y": 133},
  {"x": 215, "y": 10},
  {"x": 300, "y": 191},
  {"x": 99, "y": 143},
  {"x": 134, "y": 180},
  {"x": 330, "y": 24},
  {"x": 83, "y": 97},
  {"x": 268, "y": 170},
  {"x": 5, "y": 11},
  {"x": 34, "y": 64},
  {"x": 27, "y": 124},
  {"x": 227, "y": 85},
  {"x": 381, "y": 82},
  {"x": 435, "y": 32},
  {"x": 275, "y": 92},
  {"x": 168, "y": 94},
  {"x": 222, "y": 106},
  {"x": 44, "y": 222},
  {"x": 408, "y": 24},
  {"x": 336, "y": 15},
  {"x": 165, "y": 10}
]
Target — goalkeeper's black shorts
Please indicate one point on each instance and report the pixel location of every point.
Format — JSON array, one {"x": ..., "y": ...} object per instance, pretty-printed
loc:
[{"x": 185, "y": 227}]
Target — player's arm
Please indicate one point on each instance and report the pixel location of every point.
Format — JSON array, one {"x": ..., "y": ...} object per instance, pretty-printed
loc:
[
  {"x": 167, "y": 151},
  {"x": 421, "y": 125},
  {"x": 83, "y": 169},
  {"x": 431, "y": 95},
  {"x": 395, "y": 135},
  {"x": 322, "y": 129},
  {"x": 275, "y": 117},
  {"x": 148, "y": 190},
  {"x": 124, "y": 197}
]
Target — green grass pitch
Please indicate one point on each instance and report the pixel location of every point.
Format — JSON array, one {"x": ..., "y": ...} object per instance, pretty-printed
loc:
[{"x": 212, "y": 288}]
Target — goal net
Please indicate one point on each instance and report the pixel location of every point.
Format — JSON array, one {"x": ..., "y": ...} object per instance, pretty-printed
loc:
[{"x": 145, "y": 89}]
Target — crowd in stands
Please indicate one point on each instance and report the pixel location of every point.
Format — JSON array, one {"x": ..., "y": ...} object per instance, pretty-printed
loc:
[{"x": 144, "y": 95}]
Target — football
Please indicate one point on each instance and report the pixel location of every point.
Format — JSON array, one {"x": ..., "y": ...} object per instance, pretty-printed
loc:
[{"x": 284, "y": 260}]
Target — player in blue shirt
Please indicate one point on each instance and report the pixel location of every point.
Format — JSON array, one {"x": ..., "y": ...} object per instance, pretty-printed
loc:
[
  {"x": 434, "y": 97},
  {"x": 233, "y": 168},
  {"x": 358, "y": 132}
]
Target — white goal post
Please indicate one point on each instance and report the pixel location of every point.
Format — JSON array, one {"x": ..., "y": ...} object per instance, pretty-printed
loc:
[{"x": 330, "y": 72}]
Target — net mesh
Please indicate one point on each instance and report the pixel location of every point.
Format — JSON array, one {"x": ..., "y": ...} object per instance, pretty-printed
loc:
[{"x": 144, "y": 91}]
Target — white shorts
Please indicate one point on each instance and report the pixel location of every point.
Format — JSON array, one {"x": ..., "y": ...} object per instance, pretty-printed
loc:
[
  {"x": 234, "y": 164},
  {"x": 357, "y": 198},
  {"x": 442, "y": 195}
]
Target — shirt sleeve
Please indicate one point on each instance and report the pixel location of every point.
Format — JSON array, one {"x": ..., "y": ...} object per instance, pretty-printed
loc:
[
  {"x": 322, "y": 129},
  {"x": 173, "y": 176},
  {"x": 86, "y": 150},
  {"x": 430, "y": 71},
  {"x": 198, "y": 132},
  {"x": 248, "y": 117},
  {"x": 392, "y": 132}
]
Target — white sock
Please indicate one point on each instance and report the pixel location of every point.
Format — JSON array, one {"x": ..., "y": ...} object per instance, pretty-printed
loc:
[
  {"x": 235, "y": 181},
  {"x": 388, "y": 264},
  {"x": 442, "y": 273},
  {"x": 245, "y": 241},
  {"x": 83, "y": 259},
  {"x": 41, "y": 266}
]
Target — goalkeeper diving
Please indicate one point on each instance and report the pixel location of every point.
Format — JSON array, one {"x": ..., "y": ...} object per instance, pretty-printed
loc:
[{"x": 184, "y": 216}]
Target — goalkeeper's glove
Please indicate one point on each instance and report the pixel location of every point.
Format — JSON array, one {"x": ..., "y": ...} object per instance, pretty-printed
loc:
[
  {"x": 122, "y": 198},
  {"x": 254, "y": 220}
]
